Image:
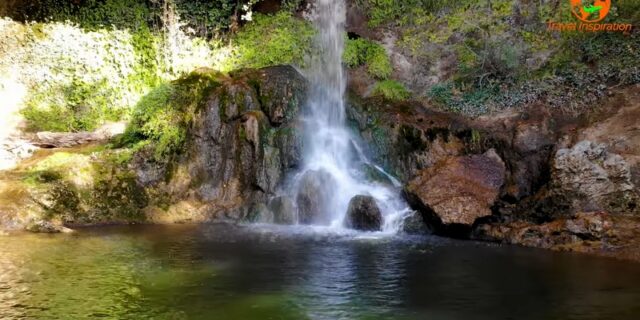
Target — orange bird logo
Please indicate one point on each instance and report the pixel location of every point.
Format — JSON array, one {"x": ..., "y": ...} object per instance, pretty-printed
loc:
[{"x": 590, "y": 10}]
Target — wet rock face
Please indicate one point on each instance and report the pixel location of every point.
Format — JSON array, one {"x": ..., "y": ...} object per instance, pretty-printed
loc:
[
  {"x": 282, "y": 91},
  {"x": 569, "y": 233},
  {"x": 459, "y": 190},
  {"x": 284, "y": 210},
  {"x": 591, "y": 178},
  {"x": 414, "y": 224},
  {"x": 363, "y": 214},
  {"x": 244, "y": 139},
  {"x": 529, "y": 159},
  {"x": 404, "y": 138},
  {"x": 315, "y": 192}
]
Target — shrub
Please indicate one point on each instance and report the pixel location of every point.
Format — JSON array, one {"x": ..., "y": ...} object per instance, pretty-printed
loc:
[
  {"x": 406, "y": 11},
  {"x": 164, "y": 116},
  {"x": 441, "y": 93},
  {"x": 272, "y": 40},
  {"x": 78, "y": 79},
  {"x": 206, "y": 18},
  {"x": 366, "y": 52},
  {"x": 391, "y": 90},
  {"x": 89, "y": 14}
]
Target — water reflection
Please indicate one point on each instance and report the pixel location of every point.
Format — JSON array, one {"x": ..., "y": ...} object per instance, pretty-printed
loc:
[{"x": 224, "y": 272}]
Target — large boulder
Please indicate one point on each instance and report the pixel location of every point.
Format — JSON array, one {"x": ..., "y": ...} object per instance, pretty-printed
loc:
[
  {"x": 591, "y": 178},
  {"x": 315, "y": 194},
  {"x": 282, "y": 91},
  {"x": 284, "y": 210},
  {"x": 414, "y": 223},
  {"x": 363, "y": 214},
  {"x": 245, "y": 139},
  {"x": 459, "y": 190}
]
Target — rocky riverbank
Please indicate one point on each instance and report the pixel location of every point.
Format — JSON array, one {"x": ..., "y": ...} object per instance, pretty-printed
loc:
[
  {"x": 538, "y": 177},
  {"x": 241, "y": 137}
]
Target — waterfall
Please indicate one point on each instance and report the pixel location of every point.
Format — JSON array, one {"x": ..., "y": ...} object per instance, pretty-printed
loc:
[{"x": 332, "y": 158}]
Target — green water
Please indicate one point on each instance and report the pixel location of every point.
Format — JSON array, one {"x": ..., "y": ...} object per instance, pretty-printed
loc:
[{"x": 226, "y": 272}]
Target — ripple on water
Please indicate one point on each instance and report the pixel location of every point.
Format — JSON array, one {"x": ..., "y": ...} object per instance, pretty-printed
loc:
[{"x": 261, "y": 272}]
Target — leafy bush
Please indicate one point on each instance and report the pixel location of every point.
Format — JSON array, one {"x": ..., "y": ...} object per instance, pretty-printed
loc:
[
  {"x": 391, "y": 90},
  {"x": 164, "y": 116},
  {"x": 366, "y": 52},
  {"x": 77, "y": 79},
  {"x": 89, "y": 14},
  {"x": 292, "y": 5},
  {"x": 441, "y": 93},
  {"x": 406, "y": 11},
  {"x": 83, "y": 106},
  {"x": 206, "y": 18},
  {"x": 272, "y": 40}
]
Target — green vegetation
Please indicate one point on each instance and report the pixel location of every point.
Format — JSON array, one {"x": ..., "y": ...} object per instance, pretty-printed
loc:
[
  {"x": 164, "y": 116},
  {"x": 272, "y": 40},
  {"x": 499, "y": 54},
  {"x": 77, "y": 79},
  {"x": 362, "y": 51},
  {"x": 85, "y": 185},
  {"x": 95, "y": 66},
  {"x": 391, "y": 90}
]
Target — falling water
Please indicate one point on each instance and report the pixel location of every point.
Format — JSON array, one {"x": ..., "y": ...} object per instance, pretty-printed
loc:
[{"x": 329, "y": 145}]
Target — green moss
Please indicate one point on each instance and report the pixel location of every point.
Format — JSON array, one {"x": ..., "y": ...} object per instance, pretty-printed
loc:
[
  {"x": 64, "y": 201},
  {"x": 83, "y": 106},
  {"x": 117, "y": 196},
  {"x": 36, "y": 177},
  {"x": 164, "y": 116},
  {"x": 273, "y": 40},
  {"x": 76, "y": 187},
  {"x": 391, "y": 90},
  {"x": 366, "y": 52}
]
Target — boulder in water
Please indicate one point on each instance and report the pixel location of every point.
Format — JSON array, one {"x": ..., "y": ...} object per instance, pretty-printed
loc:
[
  {"x": 459, "y": 190},
  {"x": 414, "y": 223},
  {"x": 283, "y": 209},
  {"x": 363, "y": 214},
  {"x": 315, "y": 193},
  {"x": 262, "y": 214}
]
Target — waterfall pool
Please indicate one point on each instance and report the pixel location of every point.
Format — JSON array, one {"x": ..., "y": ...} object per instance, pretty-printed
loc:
[{"x": 222, "y": 271}]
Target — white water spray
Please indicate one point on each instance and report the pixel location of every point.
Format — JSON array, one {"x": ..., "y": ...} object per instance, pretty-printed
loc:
[{"x": 329, "y": 146}]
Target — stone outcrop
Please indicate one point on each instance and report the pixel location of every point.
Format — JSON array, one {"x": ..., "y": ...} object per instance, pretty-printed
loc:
[
  {"x": 241, "y": 140},
  {"x": 458, "y": 190},
  {"x": 558, "y": 169},
  {"x": 405, "y": 138},
  {"x": 572, "y": 233},
  {"x": 363, "y": 214},
  {"x": 283, "y": 209},
  {"x": 315, "y": 191},
  {"x": 591, "y": 178},
  {"x": 414, "y": 224},
  {"x": 244, "y": 139}
]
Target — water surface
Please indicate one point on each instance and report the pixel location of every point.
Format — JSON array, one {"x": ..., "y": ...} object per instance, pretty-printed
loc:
[{"x": 227, "y": 272}]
